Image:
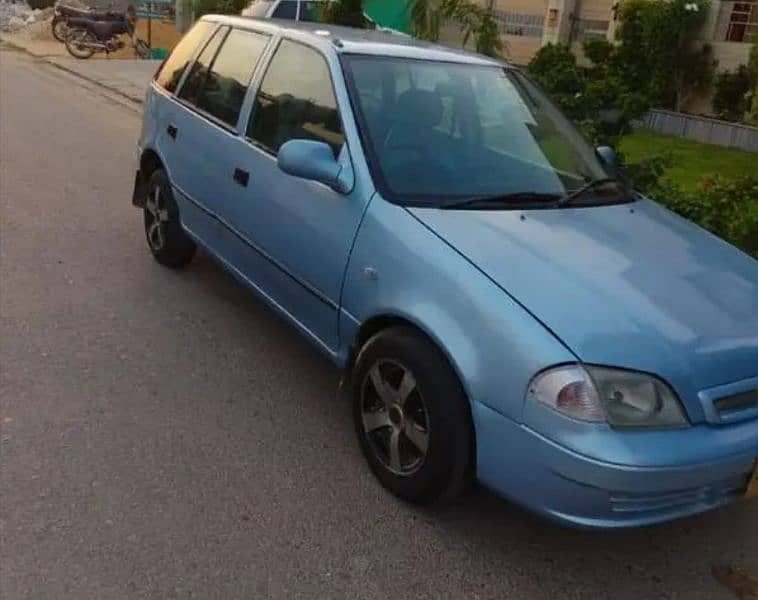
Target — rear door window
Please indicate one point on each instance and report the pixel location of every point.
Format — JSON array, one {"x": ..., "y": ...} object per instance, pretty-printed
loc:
[
  {"x": 172, "y": 70},
  {"x": 223, "y": 91},
  {"x": 196, "y": 77}
]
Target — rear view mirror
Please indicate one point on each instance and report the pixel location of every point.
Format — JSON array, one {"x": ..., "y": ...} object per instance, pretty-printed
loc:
[
  {"x": 608, "y": 156},
  {"x": 313, "y": 160}
]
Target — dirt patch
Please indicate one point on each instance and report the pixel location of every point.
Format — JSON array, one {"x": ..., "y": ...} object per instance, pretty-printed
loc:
[{"x": 163, "y": 34}]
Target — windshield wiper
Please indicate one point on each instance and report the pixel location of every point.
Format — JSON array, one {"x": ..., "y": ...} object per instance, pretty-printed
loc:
[
  {"x": 569, "y": 198},
  {"x": 515, "y": 199}
]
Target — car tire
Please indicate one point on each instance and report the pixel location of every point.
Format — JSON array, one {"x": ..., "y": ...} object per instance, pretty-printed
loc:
[
  {"x": 412, "y": 417},
  {"x": 167, "y": 240}
]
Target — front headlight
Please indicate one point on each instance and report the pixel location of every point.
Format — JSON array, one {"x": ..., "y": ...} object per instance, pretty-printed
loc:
[{"x": 621, "y": 398}]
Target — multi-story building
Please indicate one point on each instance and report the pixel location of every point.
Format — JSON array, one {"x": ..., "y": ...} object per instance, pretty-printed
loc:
[{"x": 527, "y": 25}]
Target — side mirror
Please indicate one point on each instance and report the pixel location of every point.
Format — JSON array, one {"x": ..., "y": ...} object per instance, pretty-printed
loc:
[
  {"x": 315, "y": 161},
  {"x": 607, "y": 156}
]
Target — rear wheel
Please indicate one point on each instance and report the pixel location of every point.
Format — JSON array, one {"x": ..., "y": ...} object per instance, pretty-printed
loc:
[
  {"x": 78, "y": 43},
  {"x": 412, "y": 417},
  {"x": 60, "y": 28},
  {"x": 169, "y": 243}
]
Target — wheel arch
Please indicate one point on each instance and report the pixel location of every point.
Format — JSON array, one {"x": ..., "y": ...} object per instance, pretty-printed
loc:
[
  {"x": 379, "y": 322},
  {"x": 149, "y": 162},
  {"x": 383, "y": 321}
]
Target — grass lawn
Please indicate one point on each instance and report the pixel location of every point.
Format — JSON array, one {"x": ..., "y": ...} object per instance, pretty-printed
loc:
[{"x": 693, "y": 161}]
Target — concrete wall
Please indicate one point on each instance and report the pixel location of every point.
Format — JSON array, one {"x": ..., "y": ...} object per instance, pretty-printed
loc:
[
  {"x": 520, "y": 49},
  {"x": 730, "y": 54}
]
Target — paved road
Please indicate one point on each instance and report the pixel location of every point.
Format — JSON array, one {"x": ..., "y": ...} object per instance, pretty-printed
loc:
[{"x": 165, "y": 436}]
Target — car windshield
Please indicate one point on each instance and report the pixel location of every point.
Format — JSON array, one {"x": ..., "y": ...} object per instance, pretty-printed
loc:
[{"x": 437, "y": 132}]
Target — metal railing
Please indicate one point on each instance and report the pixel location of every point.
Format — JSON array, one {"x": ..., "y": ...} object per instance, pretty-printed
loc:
[
  {"x": 520, "y": 24},
  {"x": 701, "y": 129}
]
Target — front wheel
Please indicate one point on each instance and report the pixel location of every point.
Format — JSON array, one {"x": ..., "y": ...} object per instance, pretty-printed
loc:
[
  {"x": 78, "y": 43},
  {"x": 60, "y": 28},
  {"x": 412, "y": 417}
]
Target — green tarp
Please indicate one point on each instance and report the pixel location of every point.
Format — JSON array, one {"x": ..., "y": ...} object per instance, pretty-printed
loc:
[{"x": 392, "y": 14}]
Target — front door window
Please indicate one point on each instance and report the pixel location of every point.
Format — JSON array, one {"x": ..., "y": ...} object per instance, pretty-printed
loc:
[{"x": 296, "y": 101}]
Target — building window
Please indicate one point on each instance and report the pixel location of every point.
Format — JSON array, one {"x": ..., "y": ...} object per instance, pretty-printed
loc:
[
  {"x": 590, "y": 29},
  {"x": 521, "y": 24},
  {"x": 738, "y": 22}
]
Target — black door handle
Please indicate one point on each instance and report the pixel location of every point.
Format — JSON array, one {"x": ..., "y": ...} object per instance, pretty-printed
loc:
[
  {"x": 172, "y": 131},
  {"x": 241, "y": 177}
]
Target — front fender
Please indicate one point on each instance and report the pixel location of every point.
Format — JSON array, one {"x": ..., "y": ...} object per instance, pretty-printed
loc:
[{"x": 400, "y": 268}]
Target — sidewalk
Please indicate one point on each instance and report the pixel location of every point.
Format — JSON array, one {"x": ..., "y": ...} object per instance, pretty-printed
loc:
[{"x": 128, "y": 77}]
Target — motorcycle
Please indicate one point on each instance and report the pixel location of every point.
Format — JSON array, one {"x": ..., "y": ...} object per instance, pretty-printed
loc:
[
  {"x": 64, "y": 12},
  {"x": 86, "y": 36}
]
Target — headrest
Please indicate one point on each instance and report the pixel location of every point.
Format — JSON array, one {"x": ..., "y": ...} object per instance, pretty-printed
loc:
[{"x": 418, "y": 108}]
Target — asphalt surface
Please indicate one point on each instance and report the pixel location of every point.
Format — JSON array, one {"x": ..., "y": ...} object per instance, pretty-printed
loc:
[{"x": 164, "y": 435}]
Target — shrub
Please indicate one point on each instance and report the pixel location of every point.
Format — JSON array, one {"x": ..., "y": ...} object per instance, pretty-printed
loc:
[
  {"x": 728, "y": 208},
  {"x": 647, "y": 174},
  {"x": 751, "y": 100},
  {"x": 730, "y": 96},
  {"x": 554, "y": 67},
  {"x": 348, "y": 13},
  {"x": 40, "y": 4}
]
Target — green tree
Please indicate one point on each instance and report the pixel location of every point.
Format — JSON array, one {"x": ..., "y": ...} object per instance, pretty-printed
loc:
[
  {"x": 599, "y": 98},
  {"x": 475, "y": 22},
  {"x": 346, "y": 12},
  {"x": 555, "y": 68},
  {"x": 657, "y": 51}
]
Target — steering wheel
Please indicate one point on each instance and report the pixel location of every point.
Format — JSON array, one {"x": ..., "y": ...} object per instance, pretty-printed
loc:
[{"x": 422, "y": 162}]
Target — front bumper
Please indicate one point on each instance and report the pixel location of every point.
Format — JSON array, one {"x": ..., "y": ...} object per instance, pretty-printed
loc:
[{"x": 524, "y": 466}]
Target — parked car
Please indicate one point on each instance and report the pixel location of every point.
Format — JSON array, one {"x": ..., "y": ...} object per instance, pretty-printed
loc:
[
  {"x": 296, "y": 10},
  {"x": 386, "y": 11},
  {"x": 503, "y": 305}
]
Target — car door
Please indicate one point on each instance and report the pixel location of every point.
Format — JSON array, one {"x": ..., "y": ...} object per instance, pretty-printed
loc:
[
  {"x": 292, "y": 237},
  {"x": 172, "y": 126},
  {"x": 205, "y": 125}
]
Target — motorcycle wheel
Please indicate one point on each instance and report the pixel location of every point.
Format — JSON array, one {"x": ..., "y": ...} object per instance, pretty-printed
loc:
[
  {"x": 142, "y": 49},
  {"x": 75, "y": 43},
  {"x": 60, "y": 29}
]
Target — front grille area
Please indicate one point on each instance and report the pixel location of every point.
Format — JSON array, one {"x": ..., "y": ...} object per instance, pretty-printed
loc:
[{"x": 711, "y": 494}]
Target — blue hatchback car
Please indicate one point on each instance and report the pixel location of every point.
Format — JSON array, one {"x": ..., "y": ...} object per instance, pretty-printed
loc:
[{"x": 504, "y": 306}]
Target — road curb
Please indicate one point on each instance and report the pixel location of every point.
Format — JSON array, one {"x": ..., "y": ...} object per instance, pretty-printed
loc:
[
  {"x": 110, "y": 88},
  {"x": 18, "y": 46},
  {"x": 46, "y": 58}
]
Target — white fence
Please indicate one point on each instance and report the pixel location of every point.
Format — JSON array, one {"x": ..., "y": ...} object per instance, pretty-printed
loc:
[{"x": 702, "y": 129}]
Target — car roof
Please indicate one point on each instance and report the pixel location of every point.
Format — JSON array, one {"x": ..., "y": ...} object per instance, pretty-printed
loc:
[{"x": 346, "y": 40}]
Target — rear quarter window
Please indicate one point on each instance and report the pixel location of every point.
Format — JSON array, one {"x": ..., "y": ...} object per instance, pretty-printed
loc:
[{"x": 171, "y": 71}]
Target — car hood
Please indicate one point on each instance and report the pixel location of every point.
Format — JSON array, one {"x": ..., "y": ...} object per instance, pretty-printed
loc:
[{"x": 630, "y": 285}]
